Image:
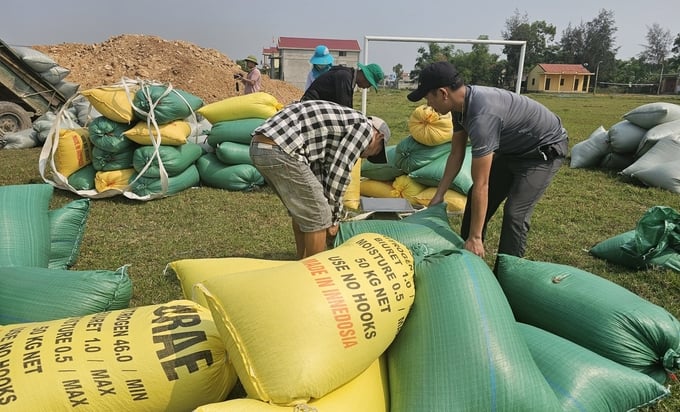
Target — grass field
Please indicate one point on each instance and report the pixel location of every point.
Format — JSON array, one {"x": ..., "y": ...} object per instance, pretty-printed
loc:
[{"x": 581, "y": 208}]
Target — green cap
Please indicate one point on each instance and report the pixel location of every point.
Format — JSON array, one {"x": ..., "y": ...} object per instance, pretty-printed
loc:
[
  {"x": 251, "y": 58},
  {"x": 374, "y": 74}
]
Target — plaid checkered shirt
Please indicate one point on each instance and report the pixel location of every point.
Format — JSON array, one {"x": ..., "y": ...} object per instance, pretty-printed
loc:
[{"x": 327, "y": 136}]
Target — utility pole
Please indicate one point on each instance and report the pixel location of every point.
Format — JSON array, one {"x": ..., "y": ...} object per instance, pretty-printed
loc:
[{"x": 597, "y": 72}]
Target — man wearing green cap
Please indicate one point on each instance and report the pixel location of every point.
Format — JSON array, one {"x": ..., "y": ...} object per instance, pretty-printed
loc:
[
  {"x": 337, "y": 85},
  {"x": 252, "y": 80}
]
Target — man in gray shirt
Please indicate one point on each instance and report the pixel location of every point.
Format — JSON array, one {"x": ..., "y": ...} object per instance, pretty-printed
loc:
[{"x": 517, "y": 147}]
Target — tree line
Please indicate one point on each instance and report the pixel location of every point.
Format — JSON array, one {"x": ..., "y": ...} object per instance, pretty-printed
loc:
[{"x": 590, "y": 43}]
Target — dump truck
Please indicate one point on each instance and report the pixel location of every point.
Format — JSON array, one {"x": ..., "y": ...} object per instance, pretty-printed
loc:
[{"x": 24, "y": 94}]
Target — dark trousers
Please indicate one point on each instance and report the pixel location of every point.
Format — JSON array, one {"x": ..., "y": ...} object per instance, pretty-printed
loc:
[{"x": 520, "y": 182}]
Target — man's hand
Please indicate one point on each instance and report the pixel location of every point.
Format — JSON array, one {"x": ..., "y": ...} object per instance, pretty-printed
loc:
[
  {"x": 436, "y": 200},
  {"x": 476, "y": 246},
  {"x": 331, "y": 233}
]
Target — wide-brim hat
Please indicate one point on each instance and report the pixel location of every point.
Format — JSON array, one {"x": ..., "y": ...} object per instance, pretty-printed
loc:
[
  {"x": 434, "y": 76},
  {"x": 251, "y": 58},
  {"x": 373, "y": 73},
  {"x": 321, "y": 55},
  {"x": 383, "y": 128}
]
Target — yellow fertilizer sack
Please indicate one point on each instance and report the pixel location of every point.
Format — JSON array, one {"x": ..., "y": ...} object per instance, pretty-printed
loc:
[
  {"x": 302, "y": 330},
  {"x": 192, "y": 271},
  {"x": 429, "y": 127},
  {"x": 406, "y": 187},
  {"x": 352, "y": 196},
  {"x": 74, "y": 151},
  {"x": 113, "y": 102},
  {"x": 367, "y": 392},
  {"x": 166, "y": 357},
  {"x": 113, "y": 179},
  {"x": 376, "y": 188},
  {"x": 259, "y": 105},
  {"x": 170, "y": 134},
  {"x": 455, "y": 202}
]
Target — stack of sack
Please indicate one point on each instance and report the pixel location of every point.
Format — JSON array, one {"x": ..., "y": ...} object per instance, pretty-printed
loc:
[
  {"x": 462, "y": 339},
  {"x": 48, "y": 69},
  {"x": 228, "y": 165},
  {"x": 140, "y": 144},
  {"x": 645, "y": 146},
  {"x": 474, "y": 341},
  {"x": 416, "y": 164},
  {"x": 54, "y": 74}
]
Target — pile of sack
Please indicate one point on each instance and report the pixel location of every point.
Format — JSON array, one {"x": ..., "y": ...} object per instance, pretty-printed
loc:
[
  {"x": 645, "y": 146},
  {"x": 396, "y": 317},
  {"x": 146, "y": 140},
  {"x": 416, "y": 164},
  {"x": 55, "y": 75},
  {"x": 38, "y": 247},
  {"x": 228, "y": 165}
]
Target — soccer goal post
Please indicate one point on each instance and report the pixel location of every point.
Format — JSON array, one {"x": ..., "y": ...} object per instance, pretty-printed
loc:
[{"x": 521, "y": 43}]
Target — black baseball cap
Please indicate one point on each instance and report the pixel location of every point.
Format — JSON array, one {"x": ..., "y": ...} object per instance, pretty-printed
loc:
[{"x": 433, "y": 76}]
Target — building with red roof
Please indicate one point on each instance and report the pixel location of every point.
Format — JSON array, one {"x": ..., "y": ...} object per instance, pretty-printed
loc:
[
  {"x": 560, "y": 78},
  {"x": 289, "y": 59}
]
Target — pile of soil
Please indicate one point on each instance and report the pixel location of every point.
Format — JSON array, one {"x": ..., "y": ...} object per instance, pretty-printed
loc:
[{"x": 206, "y": 73}]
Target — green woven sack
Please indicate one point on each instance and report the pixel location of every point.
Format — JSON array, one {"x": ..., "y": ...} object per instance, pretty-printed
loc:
[
  {"x": 175, "y": 159},
  {"x": 25, "y": 236},
  {"x": 30, "y": 294},
  {"x": 107, "y": 134},
  {"x": 236, "y": 178},
  {"x": 592, "y": 312},
  {"x": 460, "y": 348},
  {"x": 67, "y": 227},
  {"x": 83, "y": 178},
  {"x": 146, "y": 186},
  {"x": 237, "y": 131},
  {"x": 655, "y": 241},
  {"x": 231, "y": 153},
  {"x": 104, "y": 161},
  {"x": 586, "y": 381},
  {"x": 610, "y": 250},
  {"x": 384, "y": 172},
  {"x": 168, "y": 104},
  {"x": 426, "y": 232},
  {"x": 431, "y": 174},
  {"x": 411, "y": 155}
]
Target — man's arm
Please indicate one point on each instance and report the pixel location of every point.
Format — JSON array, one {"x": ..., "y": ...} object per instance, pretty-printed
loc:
[
  {"x": 344, "y": 92},
  {"x": 479, "y": 196},
  {"x": 453, "y": 164}
]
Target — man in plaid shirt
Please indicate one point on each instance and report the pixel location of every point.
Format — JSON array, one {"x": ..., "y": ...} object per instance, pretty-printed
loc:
[{"x": 306, "y": 153}]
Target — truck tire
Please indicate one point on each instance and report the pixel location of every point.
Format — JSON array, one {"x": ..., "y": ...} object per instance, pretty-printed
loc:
[{"x": 13, "y": 118}]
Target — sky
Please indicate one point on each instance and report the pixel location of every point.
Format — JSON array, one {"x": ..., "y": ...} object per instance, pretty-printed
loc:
[{"x": 239, "y": 29}]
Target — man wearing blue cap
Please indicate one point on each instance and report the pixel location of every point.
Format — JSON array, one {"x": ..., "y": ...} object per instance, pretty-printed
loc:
[
  {"x": 337, "y": 85},
  {"x": 321, "y": 61}
]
